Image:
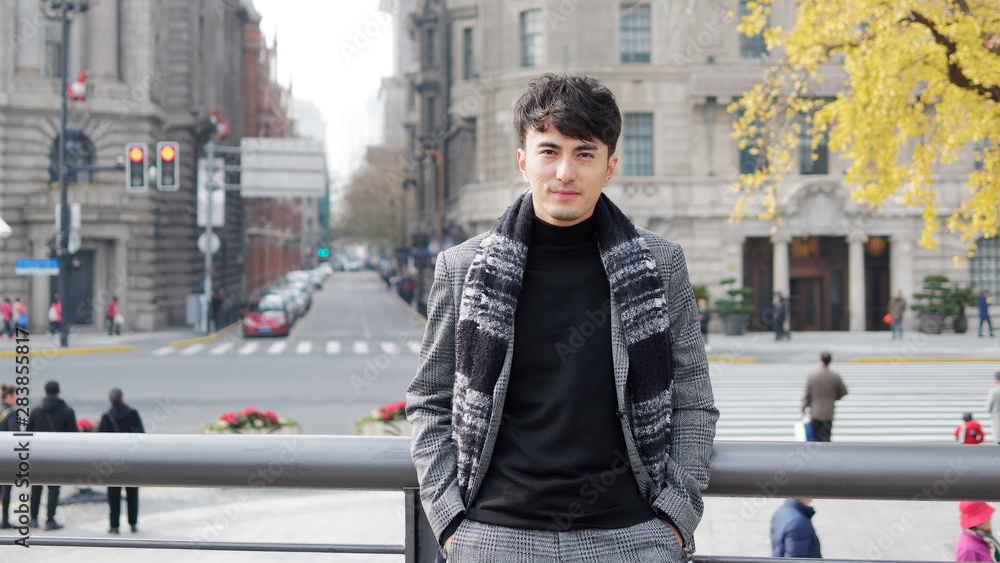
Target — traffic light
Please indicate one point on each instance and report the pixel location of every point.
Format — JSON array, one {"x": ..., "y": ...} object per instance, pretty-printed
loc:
[
  {"x": 136, "y": 174},
  {"x": 166, "y": 166},
  {"x": 323, "y": 252}
]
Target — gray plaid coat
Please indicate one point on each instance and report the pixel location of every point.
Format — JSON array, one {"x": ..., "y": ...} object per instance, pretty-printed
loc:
[{"x": 684, "y": 471}]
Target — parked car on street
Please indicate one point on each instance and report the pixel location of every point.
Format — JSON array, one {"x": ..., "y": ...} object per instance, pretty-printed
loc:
[
  {"x": 296, "y": 295},
  {"x": 267, "y": 316}
]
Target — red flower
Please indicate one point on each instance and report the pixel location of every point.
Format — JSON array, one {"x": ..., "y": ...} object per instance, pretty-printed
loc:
[{"x": 84, "y": 425}]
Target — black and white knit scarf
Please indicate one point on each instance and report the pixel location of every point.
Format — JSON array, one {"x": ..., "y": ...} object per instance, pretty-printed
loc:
[{"x": 486, "y": 326}]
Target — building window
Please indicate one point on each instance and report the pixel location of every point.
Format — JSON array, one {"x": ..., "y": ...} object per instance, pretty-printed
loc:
[
  {"x": 637, "y": 131},
  {"x": 531, "y": 38},
  {"x": 53, "y": 50},
  {"x": 430, "y": 114},
  {"x": 429, "y": 47},
  {"x": 985, "y": 266},
  {"x": 979, "y": 163},
  {"x": 751, "y": 47},
  {"x": 469, "y": 63},
  {"x": 634, "y": 39}
]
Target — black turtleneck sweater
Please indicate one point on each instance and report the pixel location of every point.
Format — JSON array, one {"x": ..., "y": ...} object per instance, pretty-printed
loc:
[{"x": 560, "y": 460}]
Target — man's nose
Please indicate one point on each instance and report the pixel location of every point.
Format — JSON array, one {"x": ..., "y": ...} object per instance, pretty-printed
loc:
[{"x": 566, "y": 171}]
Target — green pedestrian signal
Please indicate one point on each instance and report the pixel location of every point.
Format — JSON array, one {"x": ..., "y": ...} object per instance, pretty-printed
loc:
[{"x": 323, "y": 252}]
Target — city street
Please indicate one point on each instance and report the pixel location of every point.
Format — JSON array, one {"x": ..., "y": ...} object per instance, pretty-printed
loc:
[{"x": 355, "y": 350}]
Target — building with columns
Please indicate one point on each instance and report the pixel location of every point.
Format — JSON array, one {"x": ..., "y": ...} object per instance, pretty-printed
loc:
[
  {"x": 156, "y": 72},
  {"x": 674, "y": 67}
]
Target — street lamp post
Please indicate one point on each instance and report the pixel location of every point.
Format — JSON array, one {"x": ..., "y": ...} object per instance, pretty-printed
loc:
[{"x": 62, "y": 252}]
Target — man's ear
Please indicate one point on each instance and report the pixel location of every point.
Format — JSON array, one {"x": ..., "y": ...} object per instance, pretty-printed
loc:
[
  {"x": 521, "y": 164},
  {"x": 612, "y": 163}
]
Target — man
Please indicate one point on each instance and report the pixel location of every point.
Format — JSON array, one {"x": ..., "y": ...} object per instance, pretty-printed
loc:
[
  {"x": 704, "y": 317},
  {"x": 970, "y": 431},
  {"x": 55, "y": 315},
  {"x": 792, "y": 532},
  {"x": 53, "y": 416},
  {"x": 823, "y": 389},
  {"x": 8, "y": 423},
  {"x": 113, "y": 316},
  {"x": 897, "y": 308},
  {"x": 562, "y": 408},
  {"x": 780, "y": 312},
  {"x": 121, "y": 418},
  {"x": 993, "y": 406},
  {"x": 984, "y": 313}
]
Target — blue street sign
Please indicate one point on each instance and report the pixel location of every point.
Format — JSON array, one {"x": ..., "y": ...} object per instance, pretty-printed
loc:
[{"x": 36, "y": 267}]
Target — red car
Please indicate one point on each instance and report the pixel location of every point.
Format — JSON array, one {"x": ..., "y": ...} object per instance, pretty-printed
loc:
[{"x": 266, "y": 316}]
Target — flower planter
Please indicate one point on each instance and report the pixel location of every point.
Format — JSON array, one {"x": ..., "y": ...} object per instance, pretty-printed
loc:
[
  {"x": 960, "y": 324},
  {"x": 734, "y": 324},
  {"x": 385, "y": 428}
]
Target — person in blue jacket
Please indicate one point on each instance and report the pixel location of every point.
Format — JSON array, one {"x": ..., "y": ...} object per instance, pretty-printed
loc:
[
  {"x": 984, "y": 313},
  {"x": 792, "y": 532}
]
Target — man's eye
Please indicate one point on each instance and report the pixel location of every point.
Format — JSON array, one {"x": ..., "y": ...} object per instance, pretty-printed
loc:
[{"x": 587, "y": 155}]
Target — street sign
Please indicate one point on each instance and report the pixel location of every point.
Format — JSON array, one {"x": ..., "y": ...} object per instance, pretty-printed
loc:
[
  {"x": 73, "y": 244},
  {"x": 216, "y": 243},
  {"x": 36, "y": 267}
]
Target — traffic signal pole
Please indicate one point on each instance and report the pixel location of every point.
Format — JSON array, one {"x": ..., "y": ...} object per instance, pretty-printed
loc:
[
  {"x": 210, "y": 187},
  {"x": 62, "y": 251}
]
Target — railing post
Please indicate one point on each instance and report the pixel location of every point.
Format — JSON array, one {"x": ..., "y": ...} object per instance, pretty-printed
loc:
[{"x": 420, "y": 545}]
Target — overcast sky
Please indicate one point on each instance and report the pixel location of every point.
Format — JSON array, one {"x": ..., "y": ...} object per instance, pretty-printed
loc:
[{"x": 334, "y": 53}]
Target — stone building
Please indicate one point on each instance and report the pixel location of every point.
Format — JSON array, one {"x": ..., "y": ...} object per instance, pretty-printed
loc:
[
  {"x": 156, "y": 72},
  {"x": 674, "y": 68}
]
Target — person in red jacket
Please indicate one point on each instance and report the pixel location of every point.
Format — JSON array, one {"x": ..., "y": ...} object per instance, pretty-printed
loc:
[
  {"x": 113, "y": 315},
  {"x": 970, "y": 431}
]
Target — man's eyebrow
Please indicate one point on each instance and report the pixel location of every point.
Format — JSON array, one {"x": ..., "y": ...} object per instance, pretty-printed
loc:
[{"x": 586, "y": 146}]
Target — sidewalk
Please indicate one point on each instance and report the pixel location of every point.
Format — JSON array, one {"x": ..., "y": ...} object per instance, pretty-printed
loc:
[
  {"x": 890, "y": 530},
  {"x": 87, "y": 340}
]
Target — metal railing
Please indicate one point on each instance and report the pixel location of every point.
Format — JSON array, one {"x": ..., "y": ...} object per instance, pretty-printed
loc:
[{"x": 739, "y": 469}]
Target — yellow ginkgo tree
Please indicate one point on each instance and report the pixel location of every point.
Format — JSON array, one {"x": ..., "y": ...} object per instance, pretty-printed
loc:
[{"x": 923, "y": 80}]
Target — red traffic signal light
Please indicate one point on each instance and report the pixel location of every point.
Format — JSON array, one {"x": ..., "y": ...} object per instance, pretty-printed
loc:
[
  {"x": 136, "y": 175},
  {"x": 167, "y": 171}
]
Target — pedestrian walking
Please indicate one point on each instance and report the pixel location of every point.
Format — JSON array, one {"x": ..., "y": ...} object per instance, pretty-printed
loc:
[
  {"x": 993, "y": 406},
  {"x": 55, "y": 315},
  {"x": 984, "y": 313},
  {"x": 976, "y": 541},
  {"x": 54, "y": 415},
  {"x": 704, "y": 316},
  {"x": 970, "y": 431},
  {"x": 897, "y": 308},
  {"x": 792, "y": 532},
  {"x": 823, "y": 389},
  {"x": 20, "y": 314},
  {"x": 113, "y": 324},
  {"x": 121, "y": 418},
  {"x": 7, "y": 311},
  {"x": 8, "y": 423},
  {"x": 578, "y": 353},
  {"x": 780, "y": 313}
]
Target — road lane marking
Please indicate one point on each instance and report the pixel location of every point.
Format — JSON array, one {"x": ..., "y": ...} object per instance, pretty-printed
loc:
[
  {"x": 304, "y": 347},
  {"x": 332, "y": 347},
  {"x": 277, "y": 348},
  {"x": 192, "y": 350},
  {"x": 248, "y": 348},
  {"x": 221, "y": 349},
  {"x": 361, "y": 348},
  {"x": 414, "y": 346},
  {"x": 164, "y": 351},
  {"x": 390, "y": 348}
]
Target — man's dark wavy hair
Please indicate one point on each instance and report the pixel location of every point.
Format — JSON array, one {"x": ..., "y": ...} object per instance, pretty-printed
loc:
[{"x": 577, "y": 106}]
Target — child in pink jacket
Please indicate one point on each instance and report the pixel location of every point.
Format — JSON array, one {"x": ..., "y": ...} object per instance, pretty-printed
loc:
[{"x": 975, "y": 542}]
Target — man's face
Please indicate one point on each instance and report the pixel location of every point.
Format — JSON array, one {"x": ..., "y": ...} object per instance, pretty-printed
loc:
[{"x": 566, "y": 175}]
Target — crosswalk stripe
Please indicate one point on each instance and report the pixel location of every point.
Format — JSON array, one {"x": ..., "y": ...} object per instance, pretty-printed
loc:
[
  {"x": 361, "y": 348},
  {"x": 414, "y": 346},
  {"x": 304, "y": 347},
  {"x": 390, "y": 348},
  {"x": 332, "y": 347},
  {"x": 248, "y": 348},
  {"x": 277, "y": 348},
  {"x": 221, "y": 349},
  {"x": 166, "y": 350},
  {"x": 192, "y": 350}
]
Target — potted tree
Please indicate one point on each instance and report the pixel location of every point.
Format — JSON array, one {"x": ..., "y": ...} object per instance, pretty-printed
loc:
[
  {"x": 942, "y": 301},
  {"x": 735, "y": 309},
  {"x": 960, "y": 298}
]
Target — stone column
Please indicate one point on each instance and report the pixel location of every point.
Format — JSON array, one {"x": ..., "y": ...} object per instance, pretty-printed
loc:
[
  {"x": 101, "y": 37},
  {"x": 29, "y": 37},
  {"x": 780, "y": 281},
  {"x": 901, "y": 273},
  {"x": 856, "y": 281}
]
